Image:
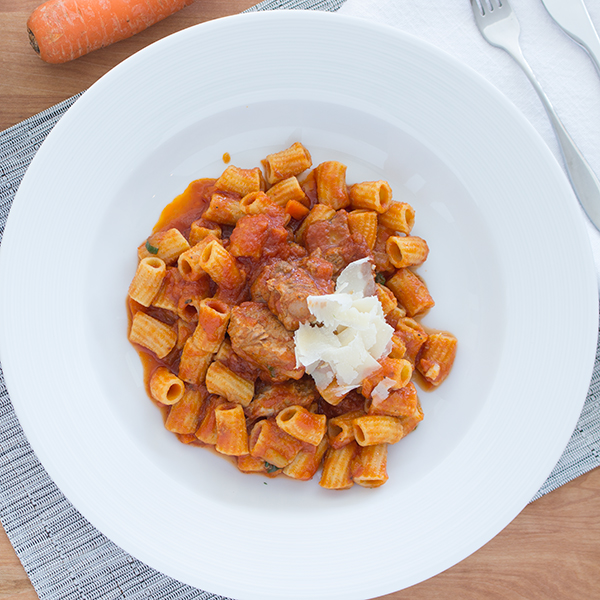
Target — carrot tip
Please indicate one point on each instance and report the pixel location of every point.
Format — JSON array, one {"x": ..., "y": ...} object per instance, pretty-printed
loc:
[{"x": 33, "y": 41}]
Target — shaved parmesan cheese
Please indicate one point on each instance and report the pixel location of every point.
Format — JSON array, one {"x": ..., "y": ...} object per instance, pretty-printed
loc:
[
  {"x": 357, "y": 278},
  {"x": 351, "y": 334},
  {"x": 382, "y": 390}
]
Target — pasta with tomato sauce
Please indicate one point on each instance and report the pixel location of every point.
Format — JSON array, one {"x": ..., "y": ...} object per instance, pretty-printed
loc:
[{"x": 276, "y": 312}]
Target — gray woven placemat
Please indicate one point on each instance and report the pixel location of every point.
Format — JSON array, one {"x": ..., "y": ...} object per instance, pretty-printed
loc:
[{"x": 64, "y": 556}]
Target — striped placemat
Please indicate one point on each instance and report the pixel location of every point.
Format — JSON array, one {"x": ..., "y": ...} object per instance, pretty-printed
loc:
[{"x": 64, "y": 556}]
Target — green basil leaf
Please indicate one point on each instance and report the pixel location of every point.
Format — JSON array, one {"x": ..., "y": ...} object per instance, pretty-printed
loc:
[{"x": 152, "y": 249}]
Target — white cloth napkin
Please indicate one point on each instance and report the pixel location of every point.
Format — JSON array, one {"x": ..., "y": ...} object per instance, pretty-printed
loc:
[{"x": 563, "y": 68}]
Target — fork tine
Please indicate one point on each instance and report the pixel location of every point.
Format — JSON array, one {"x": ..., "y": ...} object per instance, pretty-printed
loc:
[
  {"x": 479, "y": 7},
  {"x": 476, "y": 6},
  {"x": 487, "y": 6}
]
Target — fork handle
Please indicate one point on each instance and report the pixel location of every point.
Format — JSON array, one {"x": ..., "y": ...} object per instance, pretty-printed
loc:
[{"x": 583, "y": 179}]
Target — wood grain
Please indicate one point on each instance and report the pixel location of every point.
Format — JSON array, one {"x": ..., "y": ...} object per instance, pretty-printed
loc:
[
  {"x": 551, "y": 551},
  {"x": 29, "y": 85}
]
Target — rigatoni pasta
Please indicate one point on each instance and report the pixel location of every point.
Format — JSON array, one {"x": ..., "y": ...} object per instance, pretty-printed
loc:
[
  {"x": 272, "y": 444},
  {"x": 220, "y": 265},
  {"x": 184, "y": 416},
  {"x": 370, "y": 467},
  {"x": 240, "y": 181},
  {"x": 284, "y": 191},
  {"x": 223, "y": 381},
  {"x": 224, "y": 209},
  {"x": 302, "y": 424},
  {"x": 406, "y": 251},
  {"x": 166, "y": 245},
  {"x": 372, "y": 195},
  {"x": 232, "y": 436},
  {"x": 287, "y": 163},
  {"x": 331, "y": 184},
  {"x": 147, "y": 280},
  {"x": 338, "y": 467},
  {"x": 364, "y": 222},
  {"x": 166, "y": 387},
  {"x": 152, "y": 334},
  {"x": 399, "y": 217},
  {"x": 233, "y": 271}
]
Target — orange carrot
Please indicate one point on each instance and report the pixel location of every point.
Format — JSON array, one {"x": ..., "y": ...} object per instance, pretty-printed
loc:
[
  {"x": 62, "y": 30},
  {"x": 296, "y": 209}
]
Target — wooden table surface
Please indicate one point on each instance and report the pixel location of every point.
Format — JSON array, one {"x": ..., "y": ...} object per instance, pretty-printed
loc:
[{"x": 550, "y": 551}]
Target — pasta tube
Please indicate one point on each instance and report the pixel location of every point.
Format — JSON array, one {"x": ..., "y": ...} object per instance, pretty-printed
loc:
[
  {"x": 287, "y": 163},
  {"x": 199, "y": 230},
  {"x": 240, "y": 181},
  {"x": 437, "y": 357},
  {"x": 340, "y": 430},
  {"x": 406, "y": 251},
  {"x": 207, "y": 427},
  {"x": 400, "y": 217},
  {"x": 232, "y": 437},
  {"x": 166, "y": 245},
  {"x": 319, "y": 212},
  {"x": 387, "y": 299},
  {"x": 364, "y": 222},
  {"x": 370, "y": 467},
  {"x": 302, "y": 424},
  {"x": 224, "y": 210},
  {"x": 411, "y": 291},
  {"x": 184, "y": 417},
  {"x": 250, "y": 464},
  {"x": 269, "y": 442},
  {"x": 147, "y": 280},
  {"x": 337, "y": 467},
  {"x": 189, "y": 262},
  {"x": 166, "y": 387},
  {"x": 399, "y": 403},
  {"x": 306, "y": 463},
  {"x": 372, "y": 195},
  {"x": 256, "y": 203},
  {"x": 287, "y": 189},
  {"x": 371, "y": 430},
  {"x": 331, "y": 185},
  {"x": 220, "y": 265},
  {"x": 223, "y": 381},
  {"x": 152, "y": 334}
]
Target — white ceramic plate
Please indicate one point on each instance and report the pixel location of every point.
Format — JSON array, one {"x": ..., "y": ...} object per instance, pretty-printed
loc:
[{"x": 510, "y": 269}]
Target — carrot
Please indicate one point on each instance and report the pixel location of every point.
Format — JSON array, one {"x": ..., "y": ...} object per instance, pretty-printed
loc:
[
  {"x": 62, "y": 30},
  {"x": 296, "y": 209}
]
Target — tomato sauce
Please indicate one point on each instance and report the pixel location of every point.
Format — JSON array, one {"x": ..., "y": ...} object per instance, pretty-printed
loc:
[{"x": 187, "y": 207}]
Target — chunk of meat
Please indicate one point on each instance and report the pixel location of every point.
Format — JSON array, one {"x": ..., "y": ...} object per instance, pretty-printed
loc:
[
  {"x": 270, "y": 399},
  {"x": 380, "y": 256},
  {"x": 285, "y": 286},
  {"x": 258, "y": 336},
  {"x": 337, "y": 244},
  {"x": 258, "y": 236},
  {"x": 352, "y": 402}
]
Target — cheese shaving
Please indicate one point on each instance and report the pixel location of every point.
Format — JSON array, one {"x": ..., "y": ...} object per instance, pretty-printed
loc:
[
  {"x": 351, "y": 334},
  {"x": 382, "y": 390}
]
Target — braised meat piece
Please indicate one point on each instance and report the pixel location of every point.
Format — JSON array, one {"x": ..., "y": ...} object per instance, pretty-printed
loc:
[
  {"x": 353, "y": 401},
  {"x": 285, "y": 286},
  {"x": 381, "y": 258},
  {"x": 337, "y": 244},
  {"x": 258, "y": 336},
  {"x": 270, "y": 399},
  {"x": 258, "y": 236}
]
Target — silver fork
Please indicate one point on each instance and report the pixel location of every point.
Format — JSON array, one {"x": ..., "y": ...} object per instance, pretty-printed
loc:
[{"x": 499, "y": 26}]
